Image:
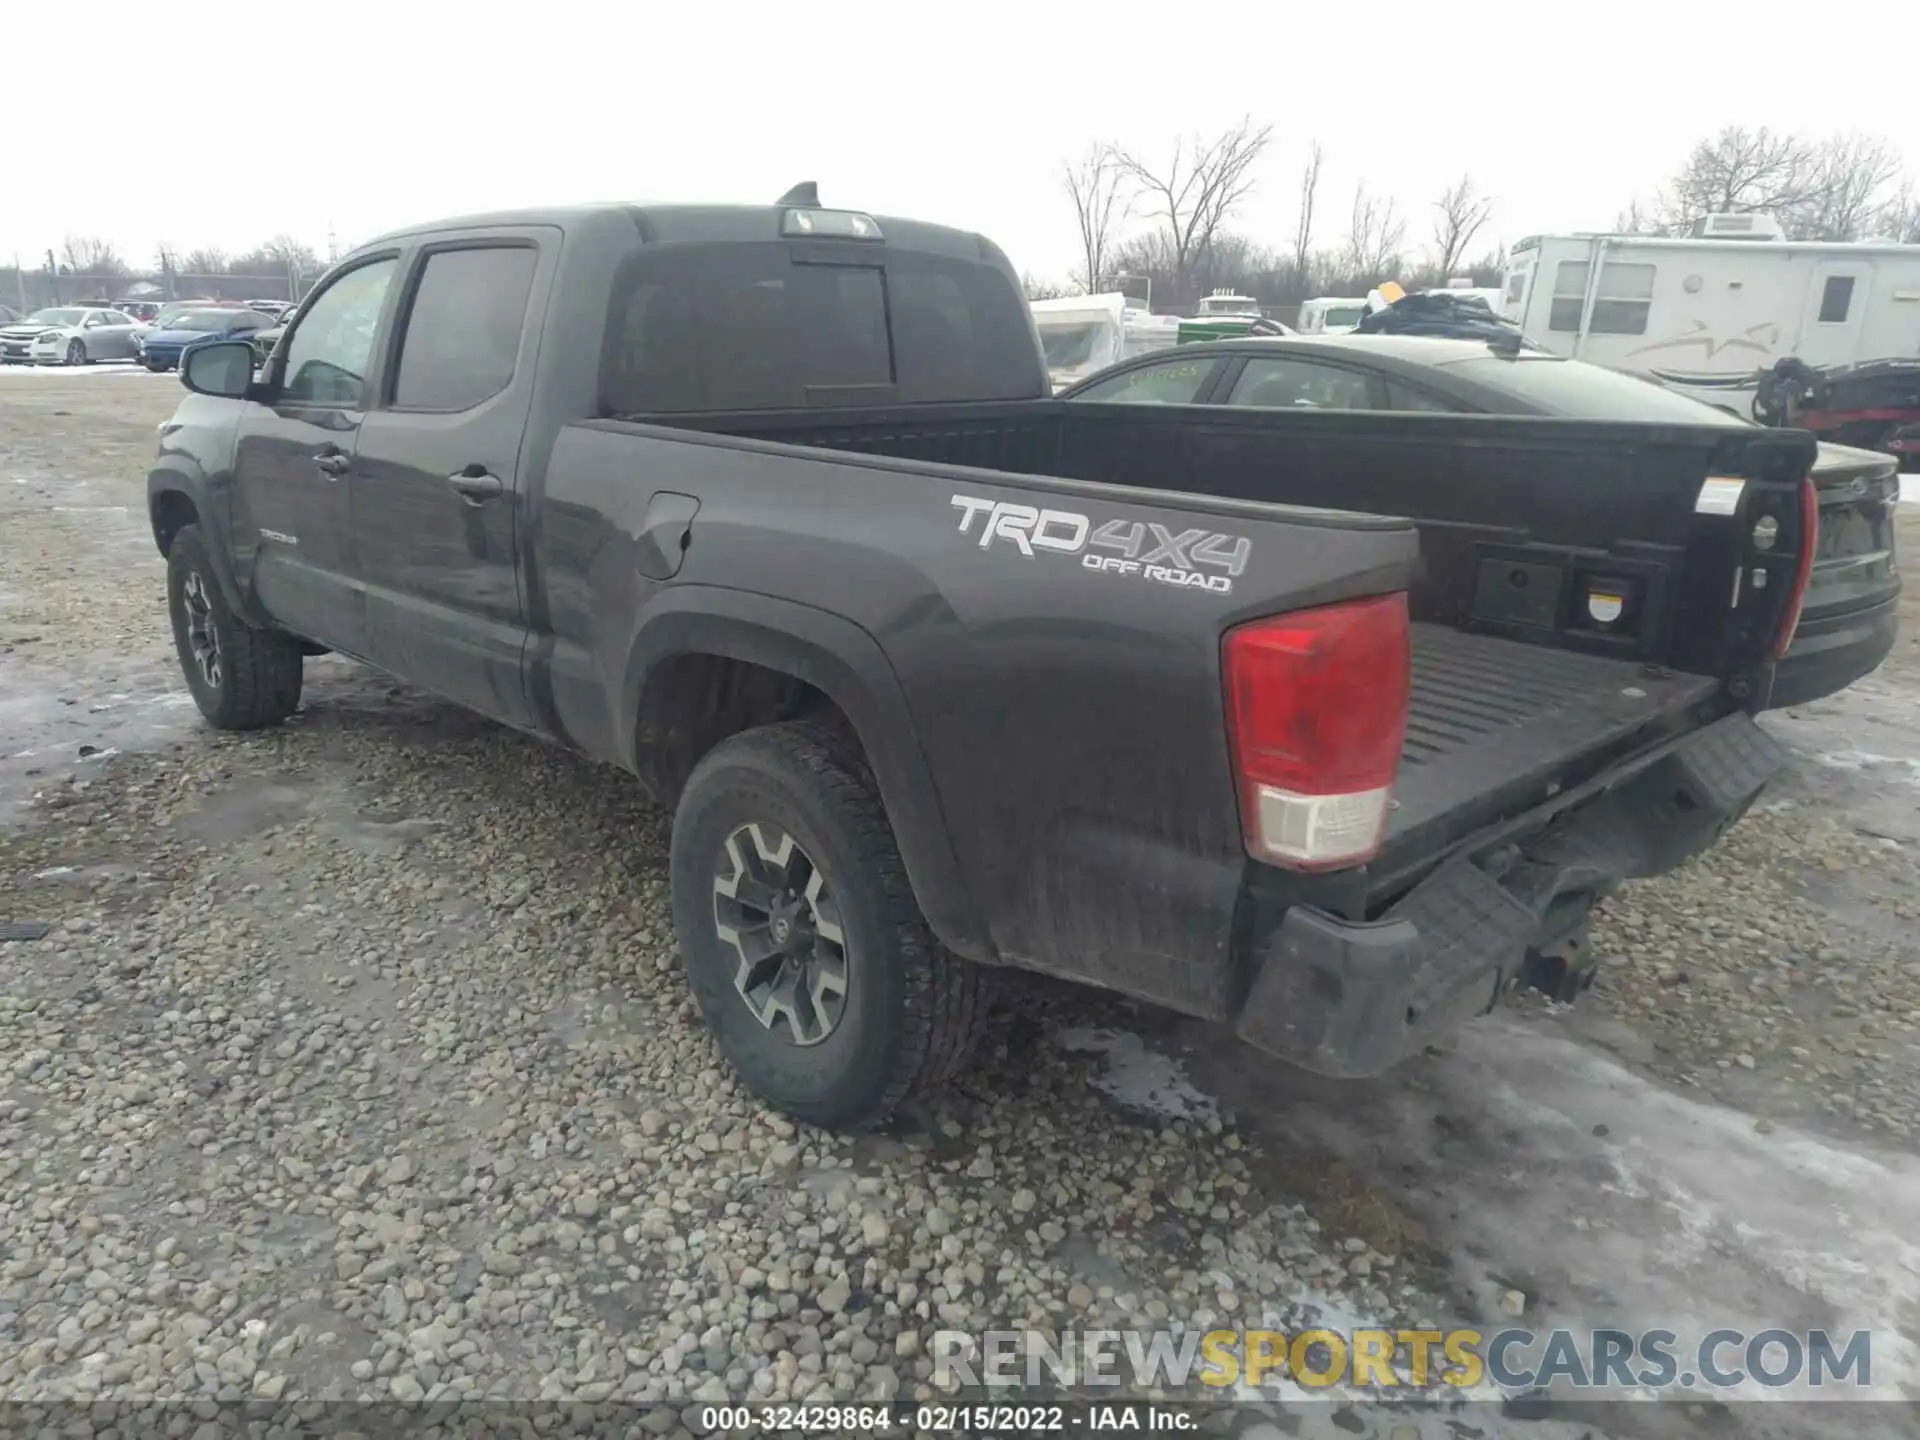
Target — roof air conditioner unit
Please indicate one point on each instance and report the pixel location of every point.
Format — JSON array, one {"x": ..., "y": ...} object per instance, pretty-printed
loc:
[{"x": 1752, "y": 226}]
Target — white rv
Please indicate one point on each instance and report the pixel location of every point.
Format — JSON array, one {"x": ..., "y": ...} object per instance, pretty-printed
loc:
[
  {"x": 1084, "y": 333},
  {"x": 1329, "y": 315},
  {"x": 1708, "y": 313}
]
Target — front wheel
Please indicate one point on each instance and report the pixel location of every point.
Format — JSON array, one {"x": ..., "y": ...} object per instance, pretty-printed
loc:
[
  {"x": 241, "y": 678},
  {"x": 804, "y": 946},
  {"x": 76, "y": 352}
]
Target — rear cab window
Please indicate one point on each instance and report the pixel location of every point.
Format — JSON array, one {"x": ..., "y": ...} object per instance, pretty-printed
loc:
[{"x": 734, "y": 326}]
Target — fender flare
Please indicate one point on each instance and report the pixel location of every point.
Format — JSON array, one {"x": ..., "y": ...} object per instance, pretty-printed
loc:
[
  {"x": 845, "y": 663},
  {"x": 170, "y": 476}
]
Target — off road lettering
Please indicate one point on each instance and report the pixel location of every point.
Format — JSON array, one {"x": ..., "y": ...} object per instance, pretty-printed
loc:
[{"x": 1145, "y": 549}]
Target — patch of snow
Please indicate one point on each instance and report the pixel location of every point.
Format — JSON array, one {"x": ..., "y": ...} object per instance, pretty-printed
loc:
[
  {"x": 76, "y": 372},
  {"x": 1692, "y": 1219},
  {"x": 56, "y": 872},
  {"x": 1139, "y": 1078},
  {"x": 1856, "y": 760},
  {"x": 1910, "y": 489}
]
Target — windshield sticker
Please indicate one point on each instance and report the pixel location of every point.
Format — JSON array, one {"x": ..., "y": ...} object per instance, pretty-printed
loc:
[{"x": 1190, "y": 560}]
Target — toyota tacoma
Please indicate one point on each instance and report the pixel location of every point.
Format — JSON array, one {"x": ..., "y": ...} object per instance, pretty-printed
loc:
[{"x": 1331, "y": 726}]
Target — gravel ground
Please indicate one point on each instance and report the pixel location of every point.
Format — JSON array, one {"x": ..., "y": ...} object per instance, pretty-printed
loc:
[{"x": 358, "y": 1063}]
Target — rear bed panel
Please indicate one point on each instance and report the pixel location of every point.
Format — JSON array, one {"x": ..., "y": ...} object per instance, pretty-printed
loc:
[
  {"x": 1494, "y": 727},
  {"x": 1581, "y": 507}
]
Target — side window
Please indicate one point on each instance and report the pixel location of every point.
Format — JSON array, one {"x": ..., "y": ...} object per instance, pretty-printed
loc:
[
  {"x": 1281, "y": 383},
  {"x": 1836, "y": 298},
  {"x": 1621, "y": 301},
  {"x": 462, "y": 334},
  {"x": 1569, "y": 295},
  {"x": 1405, "y": 397},
  {"x": 1516, "y": 286},
  {"x": 96, "y": 318},
  {"x": 327, "y": 357},
  {"x": 1171, "y": 382}
]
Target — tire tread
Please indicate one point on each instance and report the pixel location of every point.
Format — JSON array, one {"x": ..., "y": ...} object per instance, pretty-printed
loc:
[
  {"x": 264, "y": 667},
  {"x": 944, "y": 1009}
]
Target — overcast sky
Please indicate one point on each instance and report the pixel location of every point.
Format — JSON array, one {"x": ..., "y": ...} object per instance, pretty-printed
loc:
[{"x": 379, "y": 115}]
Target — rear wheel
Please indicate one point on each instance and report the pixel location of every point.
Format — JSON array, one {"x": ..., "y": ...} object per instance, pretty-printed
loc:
[
  {"x": 241, "y": 678},
  {"x": 804, "y": 946}
]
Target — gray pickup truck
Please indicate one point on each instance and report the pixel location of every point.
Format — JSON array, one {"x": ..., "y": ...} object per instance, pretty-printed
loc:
[{"x": 1332, "y": 726}]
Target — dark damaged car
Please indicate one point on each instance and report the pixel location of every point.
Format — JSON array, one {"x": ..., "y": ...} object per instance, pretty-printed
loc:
[{"x": 1847, "y": 626}]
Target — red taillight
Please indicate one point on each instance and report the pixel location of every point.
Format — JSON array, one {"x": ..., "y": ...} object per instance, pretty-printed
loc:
[
  {"x": 1803, "y": 571},
  {"x": 1316, "y": 716}
]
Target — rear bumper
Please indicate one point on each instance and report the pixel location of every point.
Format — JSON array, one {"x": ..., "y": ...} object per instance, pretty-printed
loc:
[
  {"x": 1830, "y": 652},
  {"x": 1350, "y": 998}
]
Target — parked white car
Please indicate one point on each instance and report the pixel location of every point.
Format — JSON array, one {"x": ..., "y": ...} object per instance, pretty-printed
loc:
[{"x": 68, "y": 335}]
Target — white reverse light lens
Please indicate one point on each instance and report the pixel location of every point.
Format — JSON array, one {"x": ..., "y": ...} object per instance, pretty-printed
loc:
[{"x": 1319, "y": 829}]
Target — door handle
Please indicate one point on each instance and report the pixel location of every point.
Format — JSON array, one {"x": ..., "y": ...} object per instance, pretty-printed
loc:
[
  {"x": 332, "y": 463},
  {"x": 476, "y": 489}
]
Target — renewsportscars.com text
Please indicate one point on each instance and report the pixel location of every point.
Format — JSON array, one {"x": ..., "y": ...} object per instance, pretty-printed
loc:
[{"x": 1513, "y": 1359}]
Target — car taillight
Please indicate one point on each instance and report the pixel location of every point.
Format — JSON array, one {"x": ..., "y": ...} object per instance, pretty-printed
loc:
[
  {"x": 1803, "y": 571},
  {"x": 1316, "y": 716}
]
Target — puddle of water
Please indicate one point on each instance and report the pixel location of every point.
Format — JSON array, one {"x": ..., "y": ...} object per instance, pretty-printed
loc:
[
  {"x": 1140, "y": 1078},
  {"x": 56, "y": 723}
]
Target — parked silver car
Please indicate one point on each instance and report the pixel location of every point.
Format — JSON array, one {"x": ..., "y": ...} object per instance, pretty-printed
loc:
[{"x": 68, "y": 335}]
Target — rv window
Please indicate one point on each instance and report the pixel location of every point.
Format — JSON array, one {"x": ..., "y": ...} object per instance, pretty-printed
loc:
[
  {"x": 1625, "y": 295},
  {"x": 1569, "y": 295},
  {"x": 1836, "y": 299},
  {"x": 1068, "y": 345},
  {"x": 1516, "y": 286}
]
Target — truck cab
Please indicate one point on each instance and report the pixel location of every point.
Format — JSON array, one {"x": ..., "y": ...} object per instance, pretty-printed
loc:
[{"x": 1331, "y": 315}]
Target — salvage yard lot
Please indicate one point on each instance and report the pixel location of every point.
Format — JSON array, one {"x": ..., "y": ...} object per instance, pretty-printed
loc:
[{"x": 358, "y": 1062}]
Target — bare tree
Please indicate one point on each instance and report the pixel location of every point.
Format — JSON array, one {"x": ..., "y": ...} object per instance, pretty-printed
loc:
[
  {"x": 1198, "y": 190},
  {"x": 1374, "y": 236},
  {"x": 1303, "y": 230},
  {"x": 1851, "y": 176},
  {"x": 205, "y": 260},
  {"x": 1833, "y": 189},
  {"x": 1463, "y": 211},
  {"x": 1096, "y": 186},
  {"x": 291, "y": 252},
  {"x": 276, "y": 257},
  {"x": 1038, "y": 289},
  {"x": 88, "y": 255},
  {"x": 1899, "y": 218},
  {"x": 1635, "y": 220},
  {"x": 1740, "y": 170}
]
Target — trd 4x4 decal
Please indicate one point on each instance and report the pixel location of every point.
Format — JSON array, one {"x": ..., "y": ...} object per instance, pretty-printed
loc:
[{"x": 1116, "y": 547}]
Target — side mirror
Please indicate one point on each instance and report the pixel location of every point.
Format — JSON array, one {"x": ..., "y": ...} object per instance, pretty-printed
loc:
[{"x": 223, "y": 369}]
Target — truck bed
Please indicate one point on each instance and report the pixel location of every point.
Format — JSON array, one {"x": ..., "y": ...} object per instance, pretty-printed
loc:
[{"x": 1492, "y": 721}]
